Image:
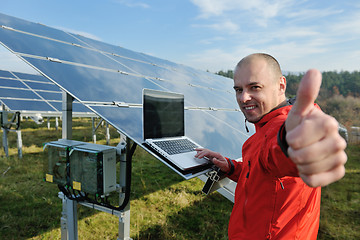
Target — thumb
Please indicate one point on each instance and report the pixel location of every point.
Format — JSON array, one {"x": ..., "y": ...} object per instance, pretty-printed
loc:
[{"x": 306, "y": 95}]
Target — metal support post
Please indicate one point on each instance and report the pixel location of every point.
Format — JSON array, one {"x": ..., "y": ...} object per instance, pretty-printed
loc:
[
  {"x": 107, "y": 134},
  {"x": 125, "y": 158},
  {"x": 124, "y": 224},
  {"x": 67, "y": 115},
  {"x": 48, "y": 122},
  {"x": 5, "y": 141},
  {"x": 19, "y": 143},
  {"x": 63, "y": 219},
  {"x": 6, "y": 125},
  {"x": 57, "y": 123},
  {"x": 94, "y": 128},
  {"x": 69, "y": 212}
]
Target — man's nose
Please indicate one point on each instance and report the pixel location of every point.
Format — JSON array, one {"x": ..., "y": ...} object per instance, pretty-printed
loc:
[{"x": 244, "y": 97}]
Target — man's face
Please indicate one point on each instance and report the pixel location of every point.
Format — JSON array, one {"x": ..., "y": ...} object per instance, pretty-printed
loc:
[{"x": 258, "y": 91}]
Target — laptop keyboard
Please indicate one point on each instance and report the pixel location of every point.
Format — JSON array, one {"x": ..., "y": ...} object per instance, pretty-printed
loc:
[{"x": 176, "y": 146}]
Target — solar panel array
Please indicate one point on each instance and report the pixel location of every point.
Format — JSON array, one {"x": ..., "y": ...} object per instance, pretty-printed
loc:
[
  {"x": 109, "y": 80},
  {"x": 33, "y": 94}
]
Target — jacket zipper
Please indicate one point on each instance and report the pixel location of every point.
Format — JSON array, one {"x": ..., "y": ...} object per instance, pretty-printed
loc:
[
  {"x": 282, "y": 185},
  {"x": 247, "y": 175},
  {"x": 276, "y": 189}
]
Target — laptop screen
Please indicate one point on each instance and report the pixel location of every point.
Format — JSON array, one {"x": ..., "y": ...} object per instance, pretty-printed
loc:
[{"x": 163, "y": 114}]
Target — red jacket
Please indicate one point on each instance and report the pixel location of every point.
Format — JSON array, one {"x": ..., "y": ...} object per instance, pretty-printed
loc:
[{"x": 271, "y": 200}]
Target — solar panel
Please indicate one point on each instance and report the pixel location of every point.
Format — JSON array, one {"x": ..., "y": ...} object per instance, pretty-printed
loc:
[
  {"x": 31, "y": 93},
  {"x": 92, "y": 71}
]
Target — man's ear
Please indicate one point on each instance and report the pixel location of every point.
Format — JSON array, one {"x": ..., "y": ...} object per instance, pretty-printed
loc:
[{"x": 282, "y": 84}]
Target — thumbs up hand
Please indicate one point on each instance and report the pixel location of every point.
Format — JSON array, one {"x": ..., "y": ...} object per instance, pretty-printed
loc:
[{"x": 315, "y": 145}]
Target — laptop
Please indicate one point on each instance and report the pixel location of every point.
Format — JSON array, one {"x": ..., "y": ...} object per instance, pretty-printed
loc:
[{"x": 164, "y": 129}]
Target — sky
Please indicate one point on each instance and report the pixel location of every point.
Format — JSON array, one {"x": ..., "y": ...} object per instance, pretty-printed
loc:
[{"x": 209, "y": 35}]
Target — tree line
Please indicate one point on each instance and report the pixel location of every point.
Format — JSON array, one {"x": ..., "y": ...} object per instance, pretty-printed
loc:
[{"x": 339, "y": 94}]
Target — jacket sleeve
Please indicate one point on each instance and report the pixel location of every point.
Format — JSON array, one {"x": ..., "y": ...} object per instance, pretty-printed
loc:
[
  {"x": 274, "y": 156},
  {"x": 278, "y": 159},
  {"x": 235, "y": 169}
]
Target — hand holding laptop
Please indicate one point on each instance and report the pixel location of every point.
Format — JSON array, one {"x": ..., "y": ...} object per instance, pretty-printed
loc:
[{"x": 214, "y": 157}]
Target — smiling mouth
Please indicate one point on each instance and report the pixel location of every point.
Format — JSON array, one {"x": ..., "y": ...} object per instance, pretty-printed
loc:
[{"x": 249, "y": 107}]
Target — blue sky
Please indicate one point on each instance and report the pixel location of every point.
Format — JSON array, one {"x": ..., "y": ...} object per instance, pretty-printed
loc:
[{"x": 209, "y": 34}]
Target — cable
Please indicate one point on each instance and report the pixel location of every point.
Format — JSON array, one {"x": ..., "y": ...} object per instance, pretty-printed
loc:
[
  {"x": 129, "y": 155},
  {"x": 79, "y": 196}
]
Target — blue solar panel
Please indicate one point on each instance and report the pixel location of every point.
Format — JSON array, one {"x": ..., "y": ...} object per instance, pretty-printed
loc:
[
  {"x": 51, "y": 96},
  {"x": 35, "y": 93},
  {"x": 27, "y": 105},
  {"x": 90, "y": 70},
  {"x": 31, "y": 77},
  {"x": 5, "y": 74},
  {"x": 34, "y": 28},
  {"x": 28, "y": 94},
  {"x": 11, "y": 83}
]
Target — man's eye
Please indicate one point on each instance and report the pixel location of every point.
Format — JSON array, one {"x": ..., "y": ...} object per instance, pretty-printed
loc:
[{"x": 255, "y": 87}]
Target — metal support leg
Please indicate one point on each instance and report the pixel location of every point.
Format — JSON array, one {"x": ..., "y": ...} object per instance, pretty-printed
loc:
[
  {"x": 69, "y": 214},
  {"x": 125, "y": 158},
  {"x": 19, "y": 143},
  {"x": 63, "y": 220},
  {"x": 67, "y": 116},
  {"x": 124, "y": 224},
  {"x": 68, "y": 231},
  {"x": 5, "y": 142},
  {"x": 93, "y": 129},
  {"x": 107, "y": 134},
  {"x": 57, "y": 123}
]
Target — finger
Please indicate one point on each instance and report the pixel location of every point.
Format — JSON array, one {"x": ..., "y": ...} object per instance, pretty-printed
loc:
[
  {"x": 323, "y": 179},
  {"x": 331, "y": 162},
  {"x": 200, "y": 154},
  {"x": 317, "y": 151},
  {"x": 311, "y": 129},
  {"x": 307, "y": 92},
  {"x": 306, "y": 95}
]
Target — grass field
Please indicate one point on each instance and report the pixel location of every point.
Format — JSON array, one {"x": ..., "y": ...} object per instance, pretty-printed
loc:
[{"x": 163, "y": 205}]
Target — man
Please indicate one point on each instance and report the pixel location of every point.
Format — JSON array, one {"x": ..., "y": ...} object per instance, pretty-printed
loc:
[{"x": 295, "y": 150}]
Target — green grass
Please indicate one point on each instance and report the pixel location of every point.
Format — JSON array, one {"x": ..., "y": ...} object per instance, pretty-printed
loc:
[
  {"x": 163, "y": 205},
  {"x": 340, "y": 205}
]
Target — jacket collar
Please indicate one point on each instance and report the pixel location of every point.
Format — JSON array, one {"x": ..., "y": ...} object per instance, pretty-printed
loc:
[{"x": 278, "y": 110}]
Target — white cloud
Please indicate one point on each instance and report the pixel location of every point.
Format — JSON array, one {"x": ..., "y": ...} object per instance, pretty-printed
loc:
[
  {"x": 212, "y": 40},
  {"x": 301, "y": 34},
  {"x": 215, "y": 59},
  {"x": 132, "y": 3},
  {"x": 210, "y": 8},
  {"x": 266, "y": 9},
  {"x": 225, "y": 26},
  {"x": 347, "y": 26}
]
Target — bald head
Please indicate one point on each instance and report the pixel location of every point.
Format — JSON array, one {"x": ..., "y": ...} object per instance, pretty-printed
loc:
[{"x": 272, "y": 64}]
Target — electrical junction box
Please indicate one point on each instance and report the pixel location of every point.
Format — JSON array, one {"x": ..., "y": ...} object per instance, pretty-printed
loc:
[
  {"x": 86, "y": 167},
  {"x": 93, "y": 168},
  {"x": 56, "y": 167}
]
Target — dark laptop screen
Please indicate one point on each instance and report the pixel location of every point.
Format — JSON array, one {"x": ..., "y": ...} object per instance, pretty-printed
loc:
[{"x": 163, "y": 114}]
